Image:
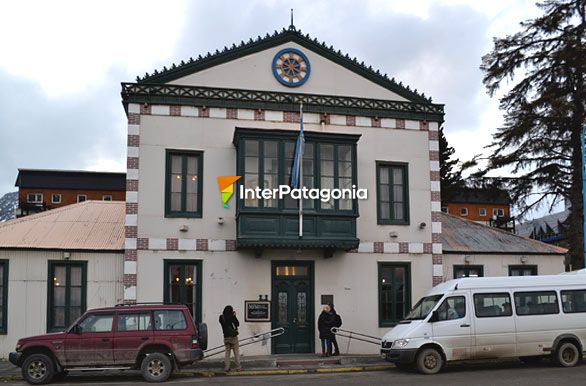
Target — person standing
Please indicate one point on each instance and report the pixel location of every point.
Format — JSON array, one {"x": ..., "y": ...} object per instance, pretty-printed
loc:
[
  {"x": 230, "y": 324},
  {"x": 324, "y": 324},
  {"x": 337, "y": 323}
]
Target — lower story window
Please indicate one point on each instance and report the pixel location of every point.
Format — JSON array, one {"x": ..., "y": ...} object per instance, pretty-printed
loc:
[
  {"x": 183, "y": 285},
  {"x": 3, "y": 296},
  {"x": 468, "y": 271},
  {"x": 522, "y": 270},
  {"x": 394, "y": 292},
  {"x": 66, "y": 301}
]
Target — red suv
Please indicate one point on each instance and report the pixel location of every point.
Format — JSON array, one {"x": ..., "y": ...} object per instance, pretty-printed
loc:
[{"x": 154, "y": 338}]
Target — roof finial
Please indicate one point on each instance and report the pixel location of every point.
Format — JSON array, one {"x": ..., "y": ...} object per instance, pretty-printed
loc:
[{"x": 292, "y": 26}]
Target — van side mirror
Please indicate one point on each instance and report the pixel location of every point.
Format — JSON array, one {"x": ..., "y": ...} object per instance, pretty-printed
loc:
[{"x": 434, "y": 317}]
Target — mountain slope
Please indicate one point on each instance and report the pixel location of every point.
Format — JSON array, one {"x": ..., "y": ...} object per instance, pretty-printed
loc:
[{"x": 8, "y": 203}]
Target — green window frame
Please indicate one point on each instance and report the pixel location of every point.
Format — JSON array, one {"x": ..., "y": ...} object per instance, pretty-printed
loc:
[
  {"x": 4, "y": 296},
  {"x": 391, "y": 312},
  {"x": 388, "y": 207},
  {"x": 467, "y": 269},
  {"x": 180, "y": 208},
  {"x": 336, "y": 155},
  {"x": 514, "y": 270},
  {"x": 74, "y": 286},
  {"x": 181, "y": 294}
]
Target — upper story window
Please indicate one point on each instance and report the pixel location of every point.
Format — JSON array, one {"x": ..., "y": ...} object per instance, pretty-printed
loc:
[
  {"x": 498, "y": 212},
  {"x": 392, "y": 193},
  {"x": 463, "y": 211},
  {"x": 81, "y": 197},
  {"x": 482, "y": 212},
  {"x": 56, "y": 198},
  {"x": 184, "y": 184},
  {"x": 107, "y": 197},
  {"x": 34, "y": 198},
  {"x": 266, "y": 162}
]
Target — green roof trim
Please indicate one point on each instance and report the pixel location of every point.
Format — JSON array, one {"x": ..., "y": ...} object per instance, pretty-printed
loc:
[
  {"x": 268, "y": 41},
  {"x": 346, "y": 244}
]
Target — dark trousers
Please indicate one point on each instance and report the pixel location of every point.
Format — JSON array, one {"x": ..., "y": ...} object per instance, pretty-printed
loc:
[
  {"x": 326, "y": 344},
  {"x": 335, "y": 343}
]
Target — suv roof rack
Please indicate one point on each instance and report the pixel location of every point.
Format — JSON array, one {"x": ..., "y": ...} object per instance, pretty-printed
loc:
[{"x": 148, "y": 303}]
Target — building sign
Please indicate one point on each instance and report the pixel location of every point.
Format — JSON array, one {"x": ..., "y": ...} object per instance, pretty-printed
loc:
[{"x": 257, "y": 311}]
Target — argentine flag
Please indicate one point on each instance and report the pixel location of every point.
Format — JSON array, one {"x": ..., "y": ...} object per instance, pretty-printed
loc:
[{"x": 296, "y": 173}]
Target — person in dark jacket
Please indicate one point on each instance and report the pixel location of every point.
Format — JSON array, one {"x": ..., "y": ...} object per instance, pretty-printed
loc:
[
  {"x": 337, "y": 324},
  {"x": 324, "y": 324},
  {"x": 230, "y": 324}
]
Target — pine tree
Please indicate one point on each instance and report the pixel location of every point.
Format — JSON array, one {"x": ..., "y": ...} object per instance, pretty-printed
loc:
[
  {"x": 544, "y": 110},
  {"x": 450, "y": 175}
]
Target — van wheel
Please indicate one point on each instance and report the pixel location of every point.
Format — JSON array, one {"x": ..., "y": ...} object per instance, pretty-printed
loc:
[
  {"x": 38, "y": 369},
  {"x": 429, "y": 361},
  {"x": 156, "y": 367},
  {"x": 567, "y": 355}
]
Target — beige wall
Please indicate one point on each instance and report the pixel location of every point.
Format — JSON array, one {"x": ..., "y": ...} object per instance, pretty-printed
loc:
[
  {"x": 233, "y": 277},
  {"x": 214, "y": 137},
  {"x": 27, "y": 289},
  {"x": 253, "y": 72},
  {"x": 498, "y": 265}
]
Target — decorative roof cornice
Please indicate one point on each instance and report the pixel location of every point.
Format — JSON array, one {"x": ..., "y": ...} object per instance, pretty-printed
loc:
[
  {"x": 286, "y": 35},
  {"x": 170, "y": 94}
]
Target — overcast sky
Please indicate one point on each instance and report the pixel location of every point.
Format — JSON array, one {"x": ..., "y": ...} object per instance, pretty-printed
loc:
[{"x": 61, "y": 63}]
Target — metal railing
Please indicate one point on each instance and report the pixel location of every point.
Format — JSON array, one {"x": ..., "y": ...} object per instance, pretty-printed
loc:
[
  {"x": 356, "y": 336},
  {"x": 250, "y": 340}
]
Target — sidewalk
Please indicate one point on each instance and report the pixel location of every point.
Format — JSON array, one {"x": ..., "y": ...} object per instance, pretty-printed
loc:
[{"x": 256, "y": 365}]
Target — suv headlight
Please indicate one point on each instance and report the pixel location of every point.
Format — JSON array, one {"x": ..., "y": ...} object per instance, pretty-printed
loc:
[{"x": 400, "y": 343}]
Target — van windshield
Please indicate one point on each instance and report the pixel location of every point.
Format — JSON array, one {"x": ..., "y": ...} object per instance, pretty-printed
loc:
[{"x": 423, "y": 307}]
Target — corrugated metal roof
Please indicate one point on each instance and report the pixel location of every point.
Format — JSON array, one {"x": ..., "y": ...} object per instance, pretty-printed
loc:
[
  {"x": 90, "y": 225},
  {"x": 465, "y": 236}
]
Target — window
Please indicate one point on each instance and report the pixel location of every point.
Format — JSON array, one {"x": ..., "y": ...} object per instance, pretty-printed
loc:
[
  {"x": 482, "y": 212},
  {"x": 56, "y": 199},
  {"x": 536, "y": 303},
  {"x": 498, "y": 212},
  {"x": 452, "y": 308},
  {"x": 574, "y": 301},
  {"x": 134, "y": 322},
  {"x": 183, "y": 284},
  {"x": 267, "y": 163},
  {"x": 468, "y": 271},
  {"x": 522, "y": 270},
  {"x": 97, "y": 323},
  {"x": 394, "y": 292},
  {"x": 34, "y": 198},
  {"x": 392, "y": 196},
  {"x": 107, "y": 197},
  {"x": 184, "y": 184},
  {"x": 493, "y": 304},
  {"x": 81, "y": 197},
  {"x": 67, "y": 284},
  {"x": 463, "y": 211},
  {"x": 4, "y": 296},
  {"x": 169, "y": 320}
]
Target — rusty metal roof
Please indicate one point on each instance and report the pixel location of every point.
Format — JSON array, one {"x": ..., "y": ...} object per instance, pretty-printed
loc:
[
  {"x": 465, "y": 236},
  {"x": 89, "y": 225}
]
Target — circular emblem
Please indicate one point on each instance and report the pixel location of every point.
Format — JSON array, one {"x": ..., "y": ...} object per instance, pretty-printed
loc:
[{"x": 291, "y": 67}]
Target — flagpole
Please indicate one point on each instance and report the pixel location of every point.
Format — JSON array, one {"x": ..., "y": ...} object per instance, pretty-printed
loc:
[
  {"x": 583, "y": 137},
  {"x": 301, "y": 175}
]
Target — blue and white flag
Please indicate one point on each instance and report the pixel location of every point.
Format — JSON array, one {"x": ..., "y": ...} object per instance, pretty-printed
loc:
[{"x": 296, "y": 173}]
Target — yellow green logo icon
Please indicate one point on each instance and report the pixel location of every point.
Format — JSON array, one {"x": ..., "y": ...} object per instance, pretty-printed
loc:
[{"x": 226, "y": 185}]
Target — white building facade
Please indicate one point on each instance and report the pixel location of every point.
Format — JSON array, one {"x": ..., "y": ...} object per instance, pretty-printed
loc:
[{"x": 236, "y": 113}]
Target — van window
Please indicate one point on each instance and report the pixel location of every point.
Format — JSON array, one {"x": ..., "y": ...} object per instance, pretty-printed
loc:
[
  {"x": 536, "y": 303},
  {"x": 452, "y": 308},
  {"x": 574, "y": 301},
  {"x": 169, "y": 320},
  {"x": 423, "y": 307},
  {"x": 494, "y": 304}
]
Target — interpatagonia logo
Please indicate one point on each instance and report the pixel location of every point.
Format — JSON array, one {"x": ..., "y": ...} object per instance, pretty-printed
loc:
[{"x": 226, "y": 185}]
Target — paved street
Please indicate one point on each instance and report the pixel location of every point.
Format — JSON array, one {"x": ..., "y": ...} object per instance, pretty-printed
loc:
[{"x": 512, "y": 373}]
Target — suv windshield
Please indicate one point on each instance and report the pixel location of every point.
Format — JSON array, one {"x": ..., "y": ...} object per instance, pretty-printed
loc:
[{"x": 423, "y": 307}]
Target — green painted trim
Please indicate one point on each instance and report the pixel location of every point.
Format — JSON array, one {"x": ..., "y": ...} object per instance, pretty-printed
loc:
[
  {"x": 278, "y": 101},
  {"x": 4, "y": 263},
  {"x": 279, "y": 242},
  {"x": 199, "y": 285},
  {"x": 390, "y": 165},
  {"x": 184, "y": 154},
  {"x": 278, "y": 38},
  {"x": 381, "y": 264},
  {"x": 50, "y": 274},
  {"x": 467, "y": 268},
  {"x": 533, "y": 267}
]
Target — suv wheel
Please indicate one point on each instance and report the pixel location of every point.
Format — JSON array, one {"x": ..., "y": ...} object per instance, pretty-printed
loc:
[
  {"x": 156, "y": 367},
  {"x": 429, "y": 361},
  {"x": 38, "y": 369},
  {"x": 567, "y": 355}
]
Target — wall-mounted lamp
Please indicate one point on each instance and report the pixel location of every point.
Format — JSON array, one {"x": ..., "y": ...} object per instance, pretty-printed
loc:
[
  {"x": 66, "y": 255},
  {"x": 467, "y": 259},
  {"x": 183, "y": 228},
  {"x": 393, "y": 235},
  {"x": 221, "y": 220},
  {"x": 523, "y": 259},
  {"x": 422, "y": 225}
]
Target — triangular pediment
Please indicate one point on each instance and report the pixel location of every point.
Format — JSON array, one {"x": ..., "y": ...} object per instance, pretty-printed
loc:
[{"x": 251, "y": 66}]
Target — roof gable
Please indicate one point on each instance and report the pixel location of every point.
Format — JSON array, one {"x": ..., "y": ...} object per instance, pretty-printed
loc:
[{"x": 171, "y": 75}]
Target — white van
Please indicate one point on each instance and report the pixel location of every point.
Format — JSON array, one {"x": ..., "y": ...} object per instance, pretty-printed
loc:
[{"x": 493, "y": 317}]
